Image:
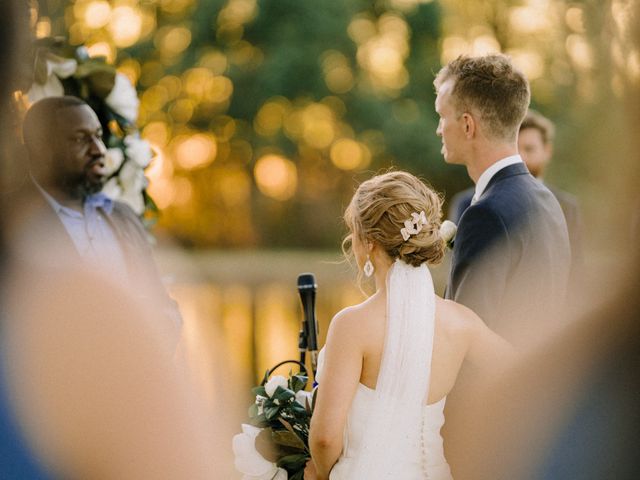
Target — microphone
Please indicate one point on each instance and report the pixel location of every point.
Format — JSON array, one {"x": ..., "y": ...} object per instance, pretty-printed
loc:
[{"x": 307, "y": 290}]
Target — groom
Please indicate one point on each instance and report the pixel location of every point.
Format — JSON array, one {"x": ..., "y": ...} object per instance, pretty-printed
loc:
[{"x": 511, "y": 256}]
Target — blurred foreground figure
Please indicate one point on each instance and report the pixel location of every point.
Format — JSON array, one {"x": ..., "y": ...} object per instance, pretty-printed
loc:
[
  {"x": 570, "y": 409},
  {"x": 88, "y": 384},
  {"x": 511, "y": 257},
  {"x": 61, "y": 203}
]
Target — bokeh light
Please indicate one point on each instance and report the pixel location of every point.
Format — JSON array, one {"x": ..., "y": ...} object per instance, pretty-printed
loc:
[
  {"x": 348, "y": 154},
  {"x": 125, "y": 25},
  {"x": 194, "y": 151},
  {"x": 97, "y": 14},
  {"x": 276, "y": 176}
]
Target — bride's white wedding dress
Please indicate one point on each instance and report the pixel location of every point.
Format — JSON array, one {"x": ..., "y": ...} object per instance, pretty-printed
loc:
[{"x": 390, "y": 432}]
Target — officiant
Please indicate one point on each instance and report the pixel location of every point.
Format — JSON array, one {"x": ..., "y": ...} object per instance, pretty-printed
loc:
[{"x": 62, "y": 203}]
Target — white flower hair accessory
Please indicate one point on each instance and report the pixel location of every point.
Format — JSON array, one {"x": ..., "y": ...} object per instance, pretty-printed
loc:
[
  {"x": 414, "y": 225},
  {"x": 448, "y": 231}
]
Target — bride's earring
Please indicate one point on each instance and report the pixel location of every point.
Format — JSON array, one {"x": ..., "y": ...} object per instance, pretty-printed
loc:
[{"x": 368, "y": 267}]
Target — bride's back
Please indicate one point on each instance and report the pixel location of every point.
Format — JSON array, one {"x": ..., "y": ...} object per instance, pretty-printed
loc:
[{"x": 453, "y": 330}]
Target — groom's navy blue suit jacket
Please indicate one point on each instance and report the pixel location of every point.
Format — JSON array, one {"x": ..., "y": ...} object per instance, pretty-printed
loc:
[{"x": 511, "y": 257}]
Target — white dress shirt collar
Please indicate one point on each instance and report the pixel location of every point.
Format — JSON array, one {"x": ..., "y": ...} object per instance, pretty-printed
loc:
[{"x": 488, "y": 174}]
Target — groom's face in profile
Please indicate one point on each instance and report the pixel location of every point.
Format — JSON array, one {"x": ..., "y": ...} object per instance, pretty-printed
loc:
[{"x": 450, "y": 127}]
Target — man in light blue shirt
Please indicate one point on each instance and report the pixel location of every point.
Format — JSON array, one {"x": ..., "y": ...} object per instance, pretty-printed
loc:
[{"x": 63, "y": 137}]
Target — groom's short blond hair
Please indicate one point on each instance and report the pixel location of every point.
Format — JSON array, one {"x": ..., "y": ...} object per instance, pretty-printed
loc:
[{"x": 491, "y": 86}]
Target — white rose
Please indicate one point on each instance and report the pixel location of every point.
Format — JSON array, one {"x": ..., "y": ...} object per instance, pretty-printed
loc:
[
  {"x": 132, "y": 181},
  {"x": 57, "y": 68},
  {"x": 302, "y": 397},
  {"x": 248, "y": 460},
  {"x": 448, "y": 230},
  {"x": 275, "y": 382},
  {"x": 112, "y": 160},
  {"x": 112, "y": 189},
  {"x": 123, "y": 98},
  {"x": 138, "y": 150}
]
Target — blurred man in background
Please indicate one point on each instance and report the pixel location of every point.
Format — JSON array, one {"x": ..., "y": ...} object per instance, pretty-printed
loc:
[{"x": 63, "y": 202}]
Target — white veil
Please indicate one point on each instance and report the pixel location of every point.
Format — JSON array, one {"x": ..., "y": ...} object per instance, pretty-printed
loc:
[{"x": 405, "y": 371}]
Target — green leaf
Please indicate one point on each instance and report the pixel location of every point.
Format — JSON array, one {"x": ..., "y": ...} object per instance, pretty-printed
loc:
[
  {"x": 265, "y": 379},
  {"x": 99, "y": 77},
  {"x": 271, "y": 412},
  {"x": 298, "y": 382},
  {"x": 266, "y": 447},
  {"x": 299, "y": 475},
  {"x": 259, "y": 390},
  {"x": 295, "y": 461},
  {"x": 283, "y": 394},
  {"x": 288, "y": 439},
  {"x": 259, "y": 421}
]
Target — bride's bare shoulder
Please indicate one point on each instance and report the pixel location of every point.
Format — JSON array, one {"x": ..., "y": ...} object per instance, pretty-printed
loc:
[
  {"x": 354, "y": 318},
  {"x": 454, "y": 318}
]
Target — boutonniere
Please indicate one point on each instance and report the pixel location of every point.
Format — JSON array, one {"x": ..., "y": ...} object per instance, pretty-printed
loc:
[{"x": 448, "y": 231}]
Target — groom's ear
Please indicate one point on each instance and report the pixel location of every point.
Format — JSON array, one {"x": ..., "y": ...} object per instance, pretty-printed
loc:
[{"x": 469, "y": 125}]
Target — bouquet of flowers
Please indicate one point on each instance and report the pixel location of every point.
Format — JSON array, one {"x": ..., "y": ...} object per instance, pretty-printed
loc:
[
  {"x": 275, "y": 446},
  {"x": 60, "y": 69}
]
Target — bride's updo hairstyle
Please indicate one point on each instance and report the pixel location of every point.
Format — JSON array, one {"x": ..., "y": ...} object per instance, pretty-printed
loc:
[{"x": 379, "y": 209}]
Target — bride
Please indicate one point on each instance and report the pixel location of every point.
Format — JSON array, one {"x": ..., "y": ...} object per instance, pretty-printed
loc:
[{"x": 389, "y": 362}]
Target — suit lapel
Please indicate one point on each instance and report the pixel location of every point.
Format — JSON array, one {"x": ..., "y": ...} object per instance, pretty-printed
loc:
[{"x": 516, "y": 169}]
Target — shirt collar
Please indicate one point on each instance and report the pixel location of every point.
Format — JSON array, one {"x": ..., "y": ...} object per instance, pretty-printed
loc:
[
  {"x": 57, "y": 206},
  {"x": 489, "y": 173},
  {"x": 97, "y": 200}
]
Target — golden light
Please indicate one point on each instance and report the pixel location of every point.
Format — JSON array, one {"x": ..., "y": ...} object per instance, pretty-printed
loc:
[
  {"x": 173, "y": 40},
  {"x": 529, "y": 19},
  {"x": 530, "y": 62},
  {"x": 195, "y": 82},
  {"x": 238, "y": 12},
  {"x": 194, "y": 151},
  {"x": 214, "y": 61},
  {"x": 452, "y": 47},
  {"x": 361, "y": 29},
  {"x": 43, "y": 27},
  {"x": 622, "y": 15},
  {"x": 579, "y": 51},
  {"x": 337, "y": 73},
  {"x": 183, "y": 191},
  {"x": 158, "y": 168},
  {"x": 383, "y": 58},
  {"x": 276, "y": 176},
  {"x": 162, "y": 191},
  {"x": 235, "y": 187},
  {"x": 130, "y": 68},
  {"x": 157, "y": 133},
  {"x": 173, "y": 85},
  {"x": 347, "y": 154},
  {"x": 175, "y": 6},
  {"x": 269, "y": 119},
  {"x": 485, "y": 45},
  {"x": 219, "y": 89},
  {"x": 97, "y": 14},
  {"x": 155, "y": 98},
  {"x": 318, "y": 126},
  {"x": 633, "y": 65},
  {"x": 125, "y": 25},
  {"x": 101, "y": 49},
  {"x": 574, "y": 18},
  {"x": 182, "y": 110},
  {"x": 275, "y": 326}
]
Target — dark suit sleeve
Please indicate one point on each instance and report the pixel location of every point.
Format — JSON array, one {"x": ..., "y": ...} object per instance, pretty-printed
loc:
[
  {"x": 481, "y": 260},
  {"x": 459, "y": 203}
]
